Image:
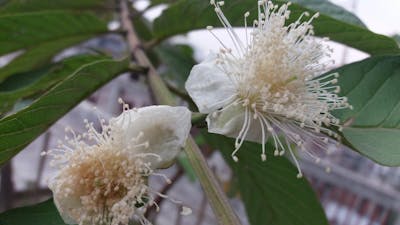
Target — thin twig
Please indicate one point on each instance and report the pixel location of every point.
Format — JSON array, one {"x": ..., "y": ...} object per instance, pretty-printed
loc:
[{"x": 42, "y": 160}]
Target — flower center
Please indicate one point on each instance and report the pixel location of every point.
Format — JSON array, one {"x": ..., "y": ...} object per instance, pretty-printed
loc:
[
  {"x": 101, "y": 178},
  {"x": 277, "y": 77}
]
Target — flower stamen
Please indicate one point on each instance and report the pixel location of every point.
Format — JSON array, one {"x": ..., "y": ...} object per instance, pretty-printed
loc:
[{"x": 274, "y": 77}]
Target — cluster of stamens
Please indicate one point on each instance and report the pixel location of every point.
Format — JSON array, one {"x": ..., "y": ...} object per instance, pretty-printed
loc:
[
  {"x": 107, "y": 179},
  {"x": 277, "y": 78}
]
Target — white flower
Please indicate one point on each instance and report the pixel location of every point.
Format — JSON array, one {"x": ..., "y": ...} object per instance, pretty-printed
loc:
[
  {"x": 105, "y": 182},
  {"x": 269, "y": 85}
]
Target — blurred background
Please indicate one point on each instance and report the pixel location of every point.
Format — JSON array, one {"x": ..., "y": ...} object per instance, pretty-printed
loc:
[{"x": 357, "y": 191}]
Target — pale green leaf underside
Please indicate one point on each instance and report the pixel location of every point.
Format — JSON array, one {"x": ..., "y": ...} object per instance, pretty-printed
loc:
[
  {"x": 380, "y": 144},
  {"x": 373, "y": 126}
]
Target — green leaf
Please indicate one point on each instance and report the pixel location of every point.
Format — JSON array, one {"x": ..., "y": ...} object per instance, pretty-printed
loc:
[
  {"x": 26, "y": 30},
  {"x": 41, "y": 42},
  {"x": 40, "y": 55},
  {"x": 373, "y": 126},
  {"x": 82, "y": 77},
  {"x": 44, "y": 213},
  {"x": 26, "y": 84},
  {"x": 397, "y": 38},
  {"x": 159, "y": 2},
  {"x": 18, "y": 6},
  {"x": 179, "y": 61},
  {"x": 270, "y": 190},
  {"x": 143, "y": 28},
  {"x": 328, "y": 8},
  {"x": 187, "y": 15}
]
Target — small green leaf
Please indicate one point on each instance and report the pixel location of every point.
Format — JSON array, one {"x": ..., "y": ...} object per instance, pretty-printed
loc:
[
  {"x": 178, "y": 60},
  {"x": 82, "y": 77},
  {"x": 270, "y": 190},
  {"x": 44, "y": 213},
  {"x": 187, "y": 15},
  {"x": 373, "y": 126}
]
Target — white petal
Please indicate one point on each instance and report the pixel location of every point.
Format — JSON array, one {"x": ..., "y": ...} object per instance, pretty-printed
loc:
[
  {"x": 65, "y": 205},
  {"x": 230, "y": 121},
  {"x": 165, "y": 128},
  {"x": 209, "y": 86}
]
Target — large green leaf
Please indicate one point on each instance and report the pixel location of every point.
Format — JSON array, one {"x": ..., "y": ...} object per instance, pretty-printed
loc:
[
  {"x": 187, "y": 15},
  {"x": 18, "y": 6},
  {"x": 82, "y": 77},
  {"x": 373, "y": 126},
  {"x": 270, "y": 190},
  {"x": 42, "y": 35},
  {"x": 44, "y": 213},
  {"x": 26, "y": 30}
]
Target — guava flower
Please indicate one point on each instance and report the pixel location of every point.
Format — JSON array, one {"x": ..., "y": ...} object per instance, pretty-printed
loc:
[
  {"x": 269, "y": 86},
  {"x": 103, "y": 176}
]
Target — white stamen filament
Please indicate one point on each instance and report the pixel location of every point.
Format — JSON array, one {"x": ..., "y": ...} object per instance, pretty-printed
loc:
[{"x": 276, "y": 76}]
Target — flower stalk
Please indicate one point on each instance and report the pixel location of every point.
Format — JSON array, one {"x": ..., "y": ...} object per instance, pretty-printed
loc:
[{"x": 218, "y": 201}]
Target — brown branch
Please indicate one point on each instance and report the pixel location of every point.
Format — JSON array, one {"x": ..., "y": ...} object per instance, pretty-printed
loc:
[{"x": 162, "y": 94}]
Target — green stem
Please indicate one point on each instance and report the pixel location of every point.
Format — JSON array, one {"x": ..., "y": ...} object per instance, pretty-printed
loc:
[
  {"x": 211, "y": 187},
  {"x": 198, "y": 119},
  {"x": 217, "y": 198}
]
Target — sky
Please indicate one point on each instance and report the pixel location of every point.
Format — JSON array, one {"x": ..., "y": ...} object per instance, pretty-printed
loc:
[{"x": 380, "y": 18}]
